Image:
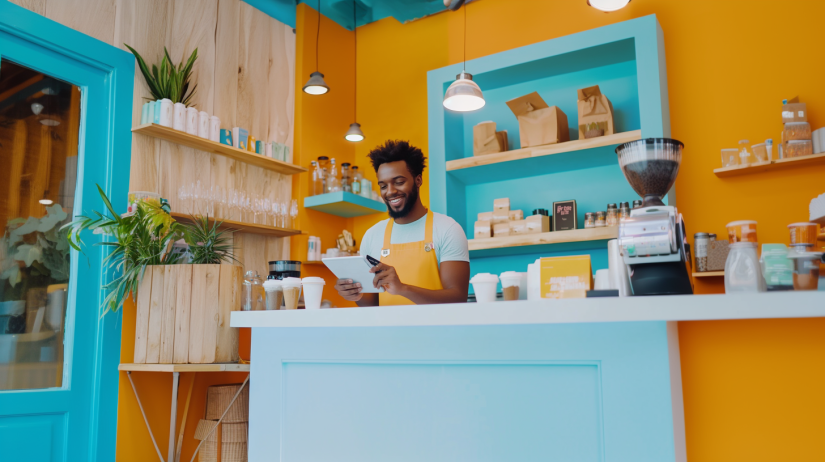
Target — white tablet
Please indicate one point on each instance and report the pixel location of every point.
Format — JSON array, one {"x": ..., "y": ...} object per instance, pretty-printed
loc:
[{"x": 356, "y": 268}]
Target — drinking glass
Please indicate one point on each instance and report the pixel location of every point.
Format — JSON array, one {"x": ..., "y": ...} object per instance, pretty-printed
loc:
[{"x": 293, "y": 211}]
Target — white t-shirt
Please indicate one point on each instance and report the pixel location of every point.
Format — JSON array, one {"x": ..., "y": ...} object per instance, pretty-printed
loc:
[{"x": 449, "y": 239}]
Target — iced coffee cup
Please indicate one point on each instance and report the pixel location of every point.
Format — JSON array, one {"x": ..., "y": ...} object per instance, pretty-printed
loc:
[
  {"x": 484, "y": 286},
  {"x": 274, "y": 294},
  {"x": 510, "y": 284},
  {"x": 313, "y": 292},
  {"x": 292, "y": 292}
]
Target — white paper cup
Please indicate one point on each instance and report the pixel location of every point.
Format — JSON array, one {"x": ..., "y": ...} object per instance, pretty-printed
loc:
[
  {"x": 510, "y": 285},
  {"x": 313, "y": 292},
  {"x": 484, "y": 286}
]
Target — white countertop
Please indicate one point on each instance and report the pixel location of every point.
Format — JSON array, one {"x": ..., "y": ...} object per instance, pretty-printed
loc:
[{"x": 661, "y": 308}]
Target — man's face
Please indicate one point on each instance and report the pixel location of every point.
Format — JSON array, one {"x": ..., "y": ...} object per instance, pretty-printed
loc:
[{"x": 398, "y": 187}]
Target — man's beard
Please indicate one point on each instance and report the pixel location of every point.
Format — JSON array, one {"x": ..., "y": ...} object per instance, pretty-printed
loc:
[{"x": 409, "y": 203}]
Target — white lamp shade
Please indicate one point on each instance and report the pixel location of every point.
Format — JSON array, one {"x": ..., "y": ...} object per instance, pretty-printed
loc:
[
  {"x": 316, "y": 85},
  {"x": 354, "y": 133},
  {"x": 463, "y": 95},
  {"x": 608, "y": 5}
]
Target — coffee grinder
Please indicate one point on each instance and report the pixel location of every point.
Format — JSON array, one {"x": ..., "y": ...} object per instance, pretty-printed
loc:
[{"x": 652, "y": 240}]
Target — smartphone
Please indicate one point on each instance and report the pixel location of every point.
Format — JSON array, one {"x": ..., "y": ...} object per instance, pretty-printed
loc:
[{"x": 372, "y": 261}]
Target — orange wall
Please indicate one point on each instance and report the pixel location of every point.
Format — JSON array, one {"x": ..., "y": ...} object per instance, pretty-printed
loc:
[{"x": 752, "y": 389}]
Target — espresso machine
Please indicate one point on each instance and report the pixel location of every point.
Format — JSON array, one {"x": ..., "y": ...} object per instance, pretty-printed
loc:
[{"x": 653, "y": 239}]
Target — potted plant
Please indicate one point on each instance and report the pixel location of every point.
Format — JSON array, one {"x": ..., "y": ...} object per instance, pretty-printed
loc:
[
  {"x": 183, "y": 292},
  {"x": 168, "y": 81}
]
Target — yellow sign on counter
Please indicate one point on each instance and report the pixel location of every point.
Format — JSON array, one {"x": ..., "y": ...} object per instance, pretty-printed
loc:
[{"x": 566, "y": 277}]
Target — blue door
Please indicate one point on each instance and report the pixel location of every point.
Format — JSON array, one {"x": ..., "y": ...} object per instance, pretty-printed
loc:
[{"x": 65, "y": 110}]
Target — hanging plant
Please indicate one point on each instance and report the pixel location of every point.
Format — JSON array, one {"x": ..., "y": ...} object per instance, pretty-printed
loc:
[{"x": 168, "y": 81}]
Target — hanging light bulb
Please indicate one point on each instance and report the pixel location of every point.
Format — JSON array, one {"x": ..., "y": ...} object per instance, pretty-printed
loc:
[
  {"x": 354, "y": 133},
  {"x": 316, "y": 85},
  {"x": 464, "y": 95},
  {"x": 608, "y": 5}
]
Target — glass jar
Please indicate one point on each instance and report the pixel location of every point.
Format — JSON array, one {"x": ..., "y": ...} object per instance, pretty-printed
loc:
[
  {"x": 356, "y": 180},
  {"x": 323, "y": 163},
  {"x": 589, "y": 220},
  {"x": 333, "y": 182},
  {"x": 730, "y": 157},
  {"x": 346, "y": 181},
  {"x": 600, "y": 220},
  {"x": 743, "y": 273},
  {"x": 612, "y": 218},
  {"x": 745, "y": 156},
  {"x": 316, "y": 179},
  {"x": 624, "y": 211},
  {"x": 700, "y": 245},
  {"x": 253, "y": 292}
]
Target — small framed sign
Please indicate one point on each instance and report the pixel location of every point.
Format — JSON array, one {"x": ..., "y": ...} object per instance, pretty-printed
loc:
[{"x": 564, "y": 215}]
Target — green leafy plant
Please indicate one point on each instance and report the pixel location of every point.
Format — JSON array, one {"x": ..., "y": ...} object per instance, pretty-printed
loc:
[
  {"x": 207, "y": 243},
  {"x": 168, "y": 81}
]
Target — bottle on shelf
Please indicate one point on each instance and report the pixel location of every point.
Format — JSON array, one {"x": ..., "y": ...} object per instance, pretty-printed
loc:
[
  {"x": 333, "y": 182},
  {"x": 316, "y": 179},
  {"x": 356, "y": 180},
  {"x": 345, "y": 178},
  {"x": 323, "y": 163}
]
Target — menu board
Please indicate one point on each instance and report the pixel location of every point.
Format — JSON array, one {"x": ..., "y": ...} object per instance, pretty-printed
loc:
[{"x": 564, "y": 215}]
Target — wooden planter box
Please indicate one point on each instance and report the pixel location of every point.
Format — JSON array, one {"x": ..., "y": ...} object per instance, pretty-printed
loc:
[{"x": 183, "y": 314}]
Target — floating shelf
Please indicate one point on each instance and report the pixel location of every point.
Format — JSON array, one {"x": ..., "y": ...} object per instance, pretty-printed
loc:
[
  {"x": 574, "y": 236},
  {"x": 708, "y": 274},
  {"x": 540, "y": 159},
  {"x": 344, "y": 204},
  {"x": 312, "y": 263},
  {"x": 133, "y": 367},
  {"x": 780, "y": 164},
  {"x": 196, "y": 142},
  {"x": 244, "y": 227}
]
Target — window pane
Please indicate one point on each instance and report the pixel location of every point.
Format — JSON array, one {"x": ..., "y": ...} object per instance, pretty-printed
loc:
[{"x": 39, "y": 122}]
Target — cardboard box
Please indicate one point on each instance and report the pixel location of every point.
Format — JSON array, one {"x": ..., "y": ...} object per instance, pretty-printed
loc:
[
  {"x": 483, "y": 229},
  {"x": 501, "y": 204},
  {"x": 595, "y": 113},
  {"x": 566, "y": 277},
  {"x": 718, "y": 255},
  {"x": 516, "y": 215},
  {"x": 485, "y": 216},
  {"x": 501, "y": 229},
  {"x": 500, "y": 216},
  {"x": 539, "y": 124},
  {"x": 794, "y": 111},
  {"x": 564, "y": 216},
  {"x": 518, "y": 227},
  {"x": 486, "y": 140},
  {"x": 537, "y": 224}
]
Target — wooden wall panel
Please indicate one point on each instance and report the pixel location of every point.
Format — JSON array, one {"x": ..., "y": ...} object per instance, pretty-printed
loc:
[
  {"x": 253, "y": 103},
  {"x": 194, "y": 27},
  {"x": 95, "y": 18},
  {"x": 38, "y": 6}
]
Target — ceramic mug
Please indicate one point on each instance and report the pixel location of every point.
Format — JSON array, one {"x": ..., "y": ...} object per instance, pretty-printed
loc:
[
  {"x": 215, "y": 129},
  {"x": 192, "y": 121},
  {"x": 166, "y": 112},
  {"x": 203, "y": 125},
  {"x": 179, "y": 117}
]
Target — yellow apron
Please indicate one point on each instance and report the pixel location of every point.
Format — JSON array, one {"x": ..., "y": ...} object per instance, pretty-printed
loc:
[{"x": 415, "y": 263}]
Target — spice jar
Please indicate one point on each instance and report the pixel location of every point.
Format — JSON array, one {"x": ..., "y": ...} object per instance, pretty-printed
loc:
[
  {"x": 612, "y": 218},
  {"x": 803, "y": 234},
  {"x": 624, "y": 211},
  {"x": 600, "y": 220},
  {"x": 589, "y": 220},
  {"x": 346, "y": 180},
  {"x": 637, "y": 204},
  {"x": 700, "y": 244}
]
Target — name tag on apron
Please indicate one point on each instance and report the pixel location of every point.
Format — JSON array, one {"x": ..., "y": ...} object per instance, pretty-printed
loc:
[
  {"x": 428, "y": 246},
  {"x": 385, "y": 252}
]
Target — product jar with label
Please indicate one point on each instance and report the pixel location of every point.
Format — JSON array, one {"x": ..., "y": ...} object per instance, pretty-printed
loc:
[
  {"x": 624, "y": 211},
  {"x": 612, "y": 218},
  {"x": 700, "y": 243},
  {"x": 742, "y": 231},
  {"x": 803, "y": 233},
  {"x": 589, "y": 220},
  {"x": 601, "y": 220}
]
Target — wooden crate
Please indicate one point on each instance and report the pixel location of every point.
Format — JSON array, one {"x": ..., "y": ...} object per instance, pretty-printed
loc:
[{"x": 183, "y": 314}]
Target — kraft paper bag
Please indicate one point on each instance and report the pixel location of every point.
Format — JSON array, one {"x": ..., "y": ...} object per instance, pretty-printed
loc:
[
  {"x": 539, "y": 124},
  {"x": 486, "y": 140},
  {"x": 595, "y": 113}
]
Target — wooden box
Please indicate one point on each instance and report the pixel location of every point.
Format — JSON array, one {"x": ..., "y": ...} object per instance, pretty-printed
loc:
[{"x": 183, "y": 314}]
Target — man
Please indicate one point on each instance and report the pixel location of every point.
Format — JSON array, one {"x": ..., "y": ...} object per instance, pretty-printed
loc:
[{"x": 424, "y": 255}]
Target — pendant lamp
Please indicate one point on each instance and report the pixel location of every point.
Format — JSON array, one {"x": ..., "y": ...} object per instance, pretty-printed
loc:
[
  {"x": 608, "y": 5},
  {"x": 316, "y": 85},
  {"x": 354, "y": 133},
  {"x": 464, "y": 95}
]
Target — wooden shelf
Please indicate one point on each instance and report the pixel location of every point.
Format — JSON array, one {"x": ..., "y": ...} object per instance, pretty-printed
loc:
[
  {"x": 196, "y": 142},
  {"x": 183, "y": 367},
  {"x": 312, "y": 263},
  {"x": 780, "y": 164},
  {"x": 708, "y": 274},
  {"x": 344, "y": 204},
  {"x": 556, "y": 237},
  {"x": 244, "y": 227},
  {"x": 539, "y": 160}
]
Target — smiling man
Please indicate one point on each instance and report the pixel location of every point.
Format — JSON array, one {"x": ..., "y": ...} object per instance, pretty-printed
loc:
[{"x": 424, "y": 255}]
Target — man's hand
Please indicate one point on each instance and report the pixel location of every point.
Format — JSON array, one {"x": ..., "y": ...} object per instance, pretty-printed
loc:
[
  {"x": 349, "y": 291},
  {"x": 386, "y": 277}
]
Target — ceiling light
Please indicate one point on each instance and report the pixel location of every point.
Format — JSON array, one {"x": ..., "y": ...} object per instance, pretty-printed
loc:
[
  {"x": 316, "y": 85},
  {"x": 354, "y": 133},
  {"x": 464, "y": 95},
  {"x": 46, "y": 201},
  {"x": 608, "y": 5},
  {"x": 36, "y": 108},
  {"x": 50, "y": 122}
]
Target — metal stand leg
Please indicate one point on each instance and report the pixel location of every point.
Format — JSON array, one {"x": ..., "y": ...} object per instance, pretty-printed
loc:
[
  {"x": 129, "y": 375},
  {"x": 173, "y": 416},
  {"x": 183, "y": 418}
]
